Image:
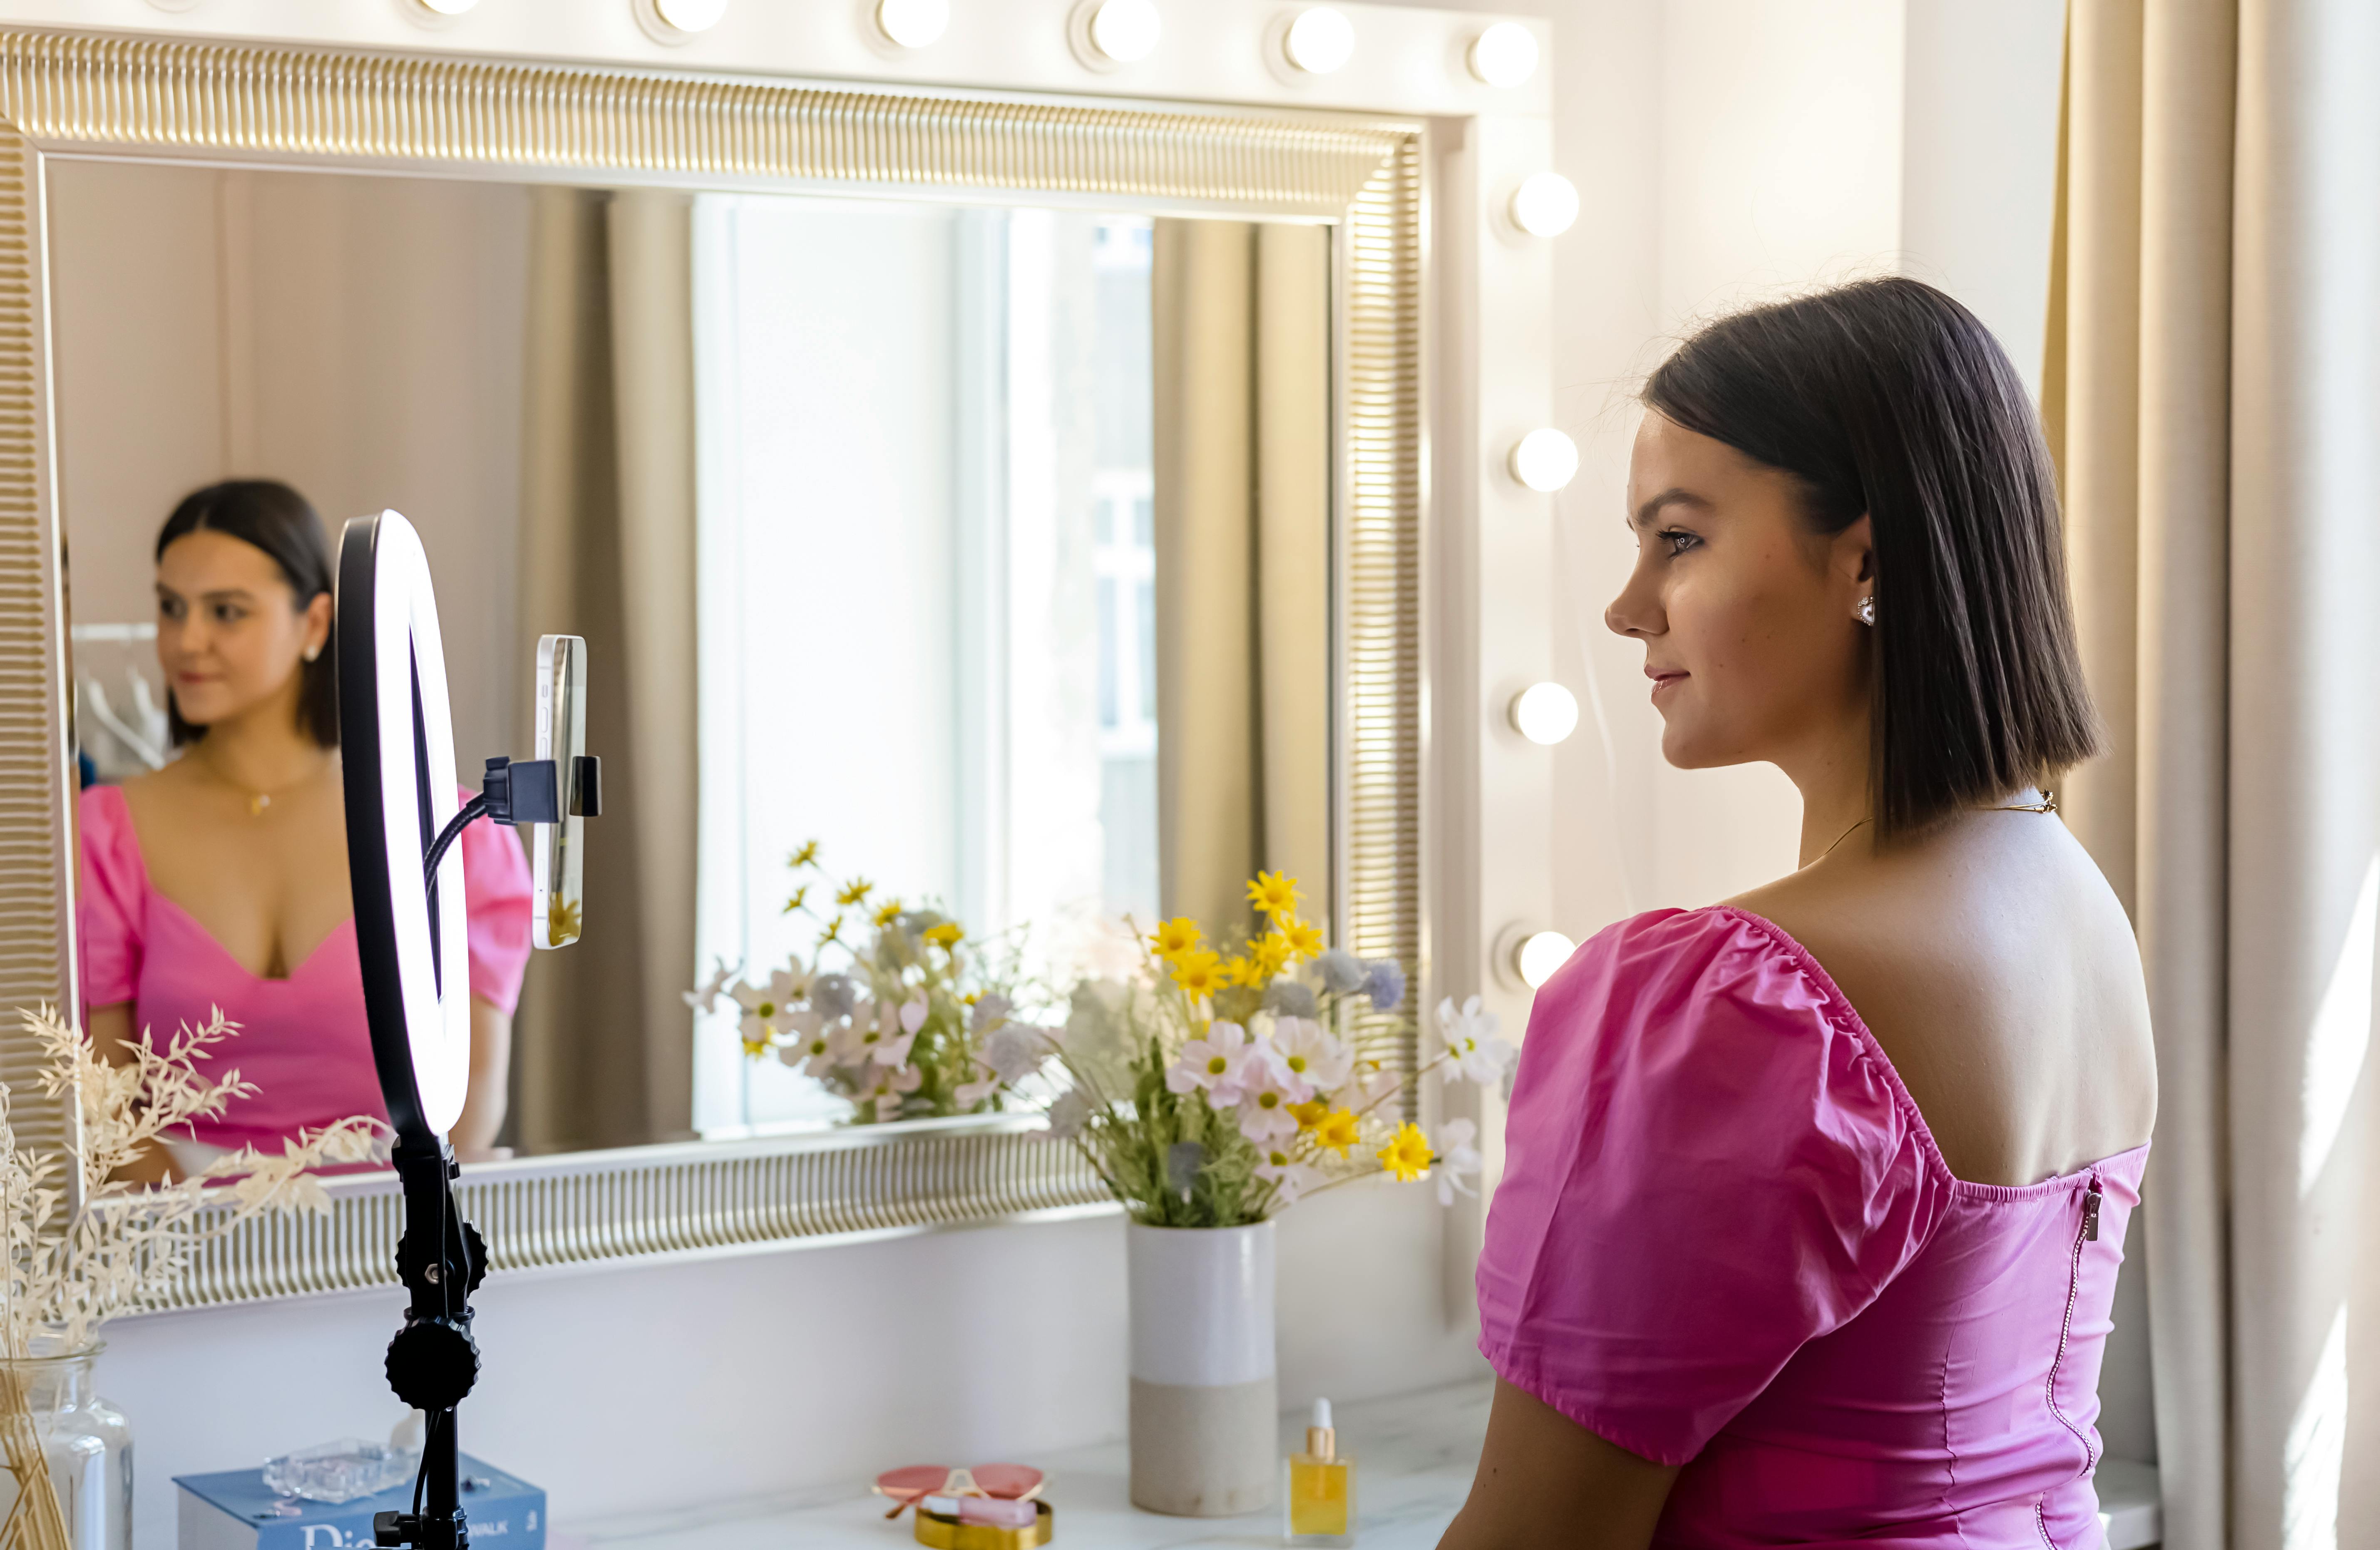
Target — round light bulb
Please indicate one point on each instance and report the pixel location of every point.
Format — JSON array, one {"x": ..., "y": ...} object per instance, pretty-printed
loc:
[
  {"x": 1505, "y": 54},
  {"x": 1320, "y": 41},
  {"x": 912, "y": 23},
  {"x": 1545, "y": 204},
  {"x": 691, "y": 16},
  {"x": 1126, "y": 30},
  {"x": 447, "y": 7},
  {"x": 1545, "y": 713},
  {"x": 1545, "y": 460},
  {"x": 1541, "y": 955}
]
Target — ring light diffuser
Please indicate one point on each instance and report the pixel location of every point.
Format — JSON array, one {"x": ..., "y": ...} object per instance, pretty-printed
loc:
[{"x": 397, "y": 753}]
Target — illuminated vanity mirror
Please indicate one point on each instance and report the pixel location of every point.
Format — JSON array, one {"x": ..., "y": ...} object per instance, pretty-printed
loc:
[{"x": 988, "y": 547}]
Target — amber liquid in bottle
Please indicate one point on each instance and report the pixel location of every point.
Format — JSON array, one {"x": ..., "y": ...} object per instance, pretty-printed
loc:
[{"x": 1321, "y": 1491}]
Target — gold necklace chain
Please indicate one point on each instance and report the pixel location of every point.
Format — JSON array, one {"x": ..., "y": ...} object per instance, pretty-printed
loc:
[
  {"x": 2049, "y": 803},
  {"x": 258, "y": 801}
]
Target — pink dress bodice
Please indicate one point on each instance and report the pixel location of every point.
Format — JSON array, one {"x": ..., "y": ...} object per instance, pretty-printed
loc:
[
  {"x": 303, "y": 1040},
  {"x": 1726, "y": 1240}
]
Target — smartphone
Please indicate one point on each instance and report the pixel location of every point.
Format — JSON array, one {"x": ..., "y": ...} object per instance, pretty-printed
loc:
[{"x": 557, "y": 850}]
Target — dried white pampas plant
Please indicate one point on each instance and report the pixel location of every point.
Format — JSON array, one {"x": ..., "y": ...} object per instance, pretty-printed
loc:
[{"x": 76, "y": 1261}]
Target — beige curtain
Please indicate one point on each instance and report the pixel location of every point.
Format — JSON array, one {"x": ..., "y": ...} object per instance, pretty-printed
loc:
[
  {"x": 1242, "y": 342},
  {"x": 603, "y": 1046},
  {"x": 2211, "y": 381}
]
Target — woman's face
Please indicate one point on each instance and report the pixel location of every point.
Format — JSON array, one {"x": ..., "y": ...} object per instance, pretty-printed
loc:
[
  {"x": 230, "y": 634},
  {"x": 1747, "y": 616}
]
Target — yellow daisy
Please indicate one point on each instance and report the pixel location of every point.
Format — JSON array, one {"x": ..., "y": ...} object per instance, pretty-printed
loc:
[
  {"x": 1175, "y": 938},
  {"x": 801, "y": 896},
  {"x": 888, "y": 914},
  {"x": 833, "y": 932},
  {"x": 1309, "y": 1115},
  {"x": 1274, "y": 893},
  {"x": 1337, "y": 1131},
  {"x": 806, "y": 856},
  {"x": 1198, "y": 974},
  {"x": 1303, "y": 940},
  {"x": 1270, "y": 954},
  {"x": 853, "y": 892},
  {"x": 946, "y": 935},
  {"x": 1408, "y": 1155}
]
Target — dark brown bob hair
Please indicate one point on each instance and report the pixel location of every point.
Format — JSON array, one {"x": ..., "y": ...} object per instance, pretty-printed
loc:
[
  {"x": 1887, "y": 398},
  {"x": 277, "y": 520}
]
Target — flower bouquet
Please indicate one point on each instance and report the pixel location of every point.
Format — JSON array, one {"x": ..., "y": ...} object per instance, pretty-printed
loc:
[
  {"x": 1217, "y": 1088},
  {"x": 902, "y": 1021}
]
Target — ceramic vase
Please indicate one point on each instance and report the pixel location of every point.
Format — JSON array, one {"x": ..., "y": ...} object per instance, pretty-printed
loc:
[
  {"x": 1204, "y": 1396},
  {"x": 58, "y": 1437}
]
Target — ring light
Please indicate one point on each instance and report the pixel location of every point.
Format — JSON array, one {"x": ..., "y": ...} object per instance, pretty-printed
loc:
[{"x": 398, "y": 756}]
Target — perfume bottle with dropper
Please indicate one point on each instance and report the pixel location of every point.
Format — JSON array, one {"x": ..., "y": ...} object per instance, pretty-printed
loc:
[{"x": 1321, "y": 1493}]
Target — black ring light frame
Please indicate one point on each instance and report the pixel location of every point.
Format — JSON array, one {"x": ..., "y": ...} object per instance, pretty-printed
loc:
[{"x": 397, "y": 759}]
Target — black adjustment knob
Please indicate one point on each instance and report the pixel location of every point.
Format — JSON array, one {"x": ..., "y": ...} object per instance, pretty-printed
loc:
[
  {"x": 414, "y": 1264},
  {"x": 433, "y": 1363}
]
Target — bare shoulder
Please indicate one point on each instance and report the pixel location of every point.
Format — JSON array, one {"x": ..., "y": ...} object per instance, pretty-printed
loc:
[{"x": 1998, "y": 971}]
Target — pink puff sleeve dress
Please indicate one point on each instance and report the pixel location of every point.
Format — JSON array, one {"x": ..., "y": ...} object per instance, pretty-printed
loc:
[
  {"x": 303, "y": 1040},
  {"x": 1725, "y": 1240}
]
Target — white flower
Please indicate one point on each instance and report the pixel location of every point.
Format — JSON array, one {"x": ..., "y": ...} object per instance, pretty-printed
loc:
[
  {"x": 1473, "y": 1049},
  {"x": 1309, "y": 1056},
  {"x": 1212, "y": 1065},
  {"x": 1265, "y": 1102},
  {"x": 814, "y": 1051},
  {"x": 872, "y": 1026},
  {"x": 704, "y": 997},
  {"x": 912, "y": 1014},
  {"x": 1289, "y": 1178},
  {"x": 889, "y": 1086},
  {"x": 967, "y": 1094},
  {"x": 1069, "y": 1115},
  {"x": 765, "y": 1008},
  {"x": 1016, "y": 1050},
  {"x": 1456, "y": 1160}
]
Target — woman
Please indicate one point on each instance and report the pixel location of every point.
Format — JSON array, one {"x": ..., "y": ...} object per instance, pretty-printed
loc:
[
  {"x": 221, "y": 880},
  {"x": 1815, "y": 1199}
]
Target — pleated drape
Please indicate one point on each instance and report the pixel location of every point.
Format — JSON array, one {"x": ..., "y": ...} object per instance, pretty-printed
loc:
[
  {"x": 1240, "y": 318},
  {"x": 603, "y": 1046},
  {"x": 2213, "y": 391}
]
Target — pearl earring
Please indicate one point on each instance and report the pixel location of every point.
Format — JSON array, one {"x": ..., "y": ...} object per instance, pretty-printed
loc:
[
  {"x": 1868, "y": 610},
  {"x": 314, "y": 651}
]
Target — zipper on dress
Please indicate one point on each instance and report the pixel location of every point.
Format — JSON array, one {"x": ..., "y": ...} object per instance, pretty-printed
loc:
[{"x": 2086, "y": 1233}]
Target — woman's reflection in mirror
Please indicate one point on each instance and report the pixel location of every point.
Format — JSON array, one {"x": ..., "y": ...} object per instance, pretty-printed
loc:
[{"x": 221, "y": 880}]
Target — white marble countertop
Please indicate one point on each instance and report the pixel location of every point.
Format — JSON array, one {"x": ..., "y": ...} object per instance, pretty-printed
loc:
[{"x": 1415, "y": 1456}]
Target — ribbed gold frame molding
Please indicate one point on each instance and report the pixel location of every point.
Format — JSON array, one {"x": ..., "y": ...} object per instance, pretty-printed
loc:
[{"x": 67, "y": 94}]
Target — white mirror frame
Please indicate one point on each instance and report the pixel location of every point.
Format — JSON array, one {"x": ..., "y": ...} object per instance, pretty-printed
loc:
[{"x": 1421, "y": 519}]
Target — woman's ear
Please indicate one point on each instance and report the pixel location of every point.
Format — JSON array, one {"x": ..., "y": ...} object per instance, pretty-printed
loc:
[
  {"x": 1853, "y": 556},
  {"x": 318, "y": 625}
]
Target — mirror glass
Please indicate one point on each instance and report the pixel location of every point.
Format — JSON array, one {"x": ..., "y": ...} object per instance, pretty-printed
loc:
[{"x": 978, "y": 553}]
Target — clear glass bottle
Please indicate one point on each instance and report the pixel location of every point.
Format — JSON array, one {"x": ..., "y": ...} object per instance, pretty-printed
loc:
[
  {"x": 51, "y": 1419},
  {"x": 1320, "y": 1489}
]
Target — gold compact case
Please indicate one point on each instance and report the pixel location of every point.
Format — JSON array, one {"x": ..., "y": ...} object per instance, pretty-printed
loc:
[{"x": 943, "y": 1533}]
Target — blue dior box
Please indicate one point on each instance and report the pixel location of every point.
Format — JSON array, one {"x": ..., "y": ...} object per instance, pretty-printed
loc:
[{"x": 235, "y": 1511}]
